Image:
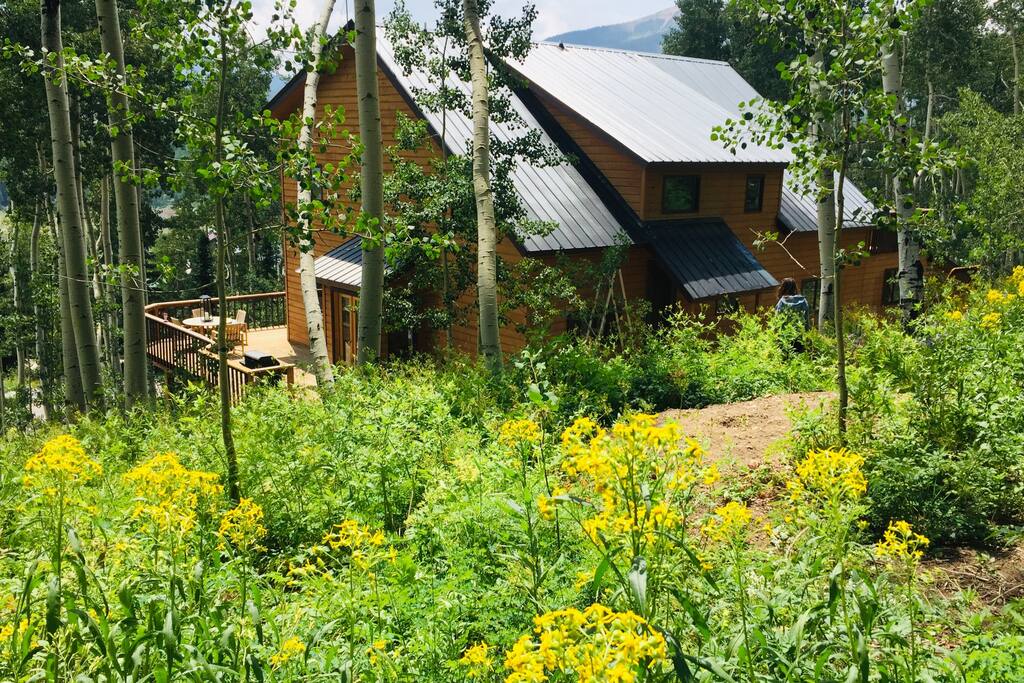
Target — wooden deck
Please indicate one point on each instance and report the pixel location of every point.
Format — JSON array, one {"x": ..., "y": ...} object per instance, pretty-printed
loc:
[
  {"x": 185, "y": 354},
  {"x": 275, "y": 342}
]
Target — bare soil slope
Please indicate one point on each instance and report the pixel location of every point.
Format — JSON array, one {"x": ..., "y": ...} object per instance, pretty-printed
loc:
[{"x": 744, "y": 432}]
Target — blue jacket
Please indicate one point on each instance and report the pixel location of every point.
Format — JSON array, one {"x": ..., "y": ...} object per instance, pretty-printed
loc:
[{"x": 795, "y": 304}]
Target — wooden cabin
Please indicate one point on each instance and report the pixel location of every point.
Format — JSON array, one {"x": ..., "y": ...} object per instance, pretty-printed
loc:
[{"x": 644, "y": 172}]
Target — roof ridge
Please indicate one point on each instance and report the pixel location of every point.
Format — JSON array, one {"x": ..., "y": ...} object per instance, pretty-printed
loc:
[{"x": 639, "y": 53}]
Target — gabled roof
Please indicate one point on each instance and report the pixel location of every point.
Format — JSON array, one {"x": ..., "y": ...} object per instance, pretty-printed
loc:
[
  {"x": 706, "y": 257},
  {"x": 652, "y": 112},
  {"x": 627, "y": 94},
  {"x": 558, "y": 194}
]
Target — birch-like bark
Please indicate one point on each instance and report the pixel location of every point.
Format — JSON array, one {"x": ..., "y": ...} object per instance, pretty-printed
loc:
[
  {"x": 108, "y": 259},
  {"x": 129, "y": 233},
  {"x": 371, "y": 183},
  {"x": 223, "y": 377},
  {"x": 826, "y": 210},
  {"x": 45, "y": 386},
  {"x": 909, "y": 274},
  {"x": 74, "y": 393},
  {"x": 486, "y": 225},
  {"x": 307, "y": 275},
  {"x": 75, "y": 274}
]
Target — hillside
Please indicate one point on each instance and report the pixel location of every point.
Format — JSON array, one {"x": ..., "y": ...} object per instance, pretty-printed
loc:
[{"x": 643, "y": 34}]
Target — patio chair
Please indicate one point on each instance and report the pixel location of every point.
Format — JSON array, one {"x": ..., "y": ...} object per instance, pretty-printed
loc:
[
  {"x": 235, "y": 334},
  {"x": 197, "y": 313}
]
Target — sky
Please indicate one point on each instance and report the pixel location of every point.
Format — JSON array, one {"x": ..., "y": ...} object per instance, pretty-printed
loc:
[{"x": 554, "y": 16}]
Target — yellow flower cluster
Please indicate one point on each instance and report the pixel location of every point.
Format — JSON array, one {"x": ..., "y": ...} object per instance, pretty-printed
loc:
[
  {"x": 169, "y": 494},
  {"x": 597, "y": 645},
  {"x": 900, "y": 542},
  {"x": 546, "y": 504},
  {"x": 828, "y": 476},
  {"x": 954, "y": 315},
  {"x": 515, "y": 432},
  {"x": 1017, "y": 279},
  {"x": 729, "y": 523},
  {"x": 365, "y": 546},
  {"x": 242, "y": 526},
  {"x": 640, "y": 471},
  {"x": 293, "y": 647},
  {"x": 991, "y": 320},
  {"x": 477, "y": 660},
  {"x": 61, "y": 463}
]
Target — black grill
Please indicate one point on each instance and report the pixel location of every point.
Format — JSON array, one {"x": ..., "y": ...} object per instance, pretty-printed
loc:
[{"x": 259, "y": 359}]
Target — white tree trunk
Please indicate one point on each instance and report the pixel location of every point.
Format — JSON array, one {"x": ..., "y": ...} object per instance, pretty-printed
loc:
[
  {"x": 910, "y": 272},
  {"x": 129, "y": 233},
  {"x": 307, "y": 275},
  {"x": 487, "y": 230},
  {"x": 826, "y": 224},
  {"x": 371, "y": 181},
  {"x": 76, "y": 274}
]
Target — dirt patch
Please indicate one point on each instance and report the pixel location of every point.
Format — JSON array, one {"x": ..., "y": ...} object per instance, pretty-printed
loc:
[
  {"x": 744, "y": 433},
  {"x": 996, "y": 577}
]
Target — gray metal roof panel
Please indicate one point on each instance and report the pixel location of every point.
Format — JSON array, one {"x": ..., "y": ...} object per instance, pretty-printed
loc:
[
  {"x": 342, "y": 265},
  {"x": 799, "y": 213},
  {"x": 721, "y": 84},
  {"x": 554, "y": 193},
  {"x": 706, "y": 258},
  {"x": 653, "y": 113}
]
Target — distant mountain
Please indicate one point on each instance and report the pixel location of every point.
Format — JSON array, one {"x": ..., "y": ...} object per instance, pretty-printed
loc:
[{"x": 643, "y": 34}]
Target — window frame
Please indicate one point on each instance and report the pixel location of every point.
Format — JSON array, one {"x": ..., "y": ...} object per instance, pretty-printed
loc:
[
  {"x": 890, "y": 287},
  {"x": 810, "y": 288},
  {"x": 696, "y": 193},
  {"x": 760, "y": 193}
]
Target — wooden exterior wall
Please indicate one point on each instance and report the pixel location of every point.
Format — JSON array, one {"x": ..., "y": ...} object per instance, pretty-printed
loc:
[{"x": 338, "y": 90}]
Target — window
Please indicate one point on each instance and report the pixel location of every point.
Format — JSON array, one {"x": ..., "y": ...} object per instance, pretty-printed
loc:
[
  {"x": 753, "y": 200},
  {"x": 680, "y": 193},
  {"x": 811, "y": 289},
  {"x": 890, "y": 287}
]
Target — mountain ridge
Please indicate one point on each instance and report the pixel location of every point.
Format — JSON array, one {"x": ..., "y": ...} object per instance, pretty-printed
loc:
[{"x": 642, "y": 35}]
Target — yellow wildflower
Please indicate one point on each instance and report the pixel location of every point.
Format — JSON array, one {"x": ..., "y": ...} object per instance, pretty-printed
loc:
[
  {"x": 290, "y": 648},
  {"x": 828, "y": 475},
  {"x": 994, "y": 296},
  {"x": 169, "y": 495},
  {"x": 515, "y": 432},
  {"x": 477, "y": 660},
  {"x": 954, "y": 315},
  {"x": 546, "y": 507},
  {"x": 60, "y": 464},
  {"x": 583, "y": 579},
  {"x": 729, "y": 523},
  {"x": 242, "y": 526},
  {"x": 900, "y": 542},
  {"x": 991, "y": 320},
  {"x": 596, "y": 644}
]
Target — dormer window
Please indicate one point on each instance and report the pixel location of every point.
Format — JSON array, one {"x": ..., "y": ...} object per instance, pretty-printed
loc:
[
  {"x": 753, "y": 201},
  {"x": 680, "y": 194}
]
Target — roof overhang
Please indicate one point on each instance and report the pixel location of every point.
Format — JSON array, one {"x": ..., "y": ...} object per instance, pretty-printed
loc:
[{"x": 706, "y": 258}]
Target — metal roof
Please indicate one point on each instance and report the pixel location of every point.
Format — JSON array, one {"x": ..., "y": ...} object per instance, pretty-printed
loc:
[
  {"x": 659, "y": 116},
  {"x": 799, "y": 213},
  {"x": 706, "y": 258},
  {"x": 719, "y": 82},
  {"x": 553, "y": 193},
  {"x": 343, "y": 265}
]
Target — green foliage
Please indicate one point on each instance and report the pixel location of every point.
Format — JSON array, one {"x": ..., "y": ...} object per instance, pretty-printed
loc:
[{"x": 938, "y": 415}]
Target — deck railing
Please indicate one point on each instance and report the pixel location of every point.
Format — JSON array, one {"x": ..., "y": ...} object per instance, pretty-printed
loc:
[{"x": 185, "y": 354}]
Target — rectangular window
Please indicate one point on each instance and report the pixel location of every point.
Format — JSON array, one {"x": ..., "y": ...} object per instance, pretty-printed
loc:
[
  {"x": 753, "y": 200},
  {"x": 890, "y": 287},
  {"x": 680, "y": 194},
  {"x": 811, "y": 289}
]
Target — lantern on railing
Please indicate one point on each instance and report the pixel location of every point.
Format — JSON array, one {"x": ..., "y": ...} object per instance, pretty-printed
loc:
[{"x": 207, "y": 303}]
